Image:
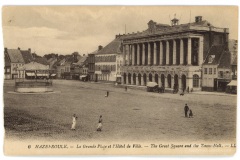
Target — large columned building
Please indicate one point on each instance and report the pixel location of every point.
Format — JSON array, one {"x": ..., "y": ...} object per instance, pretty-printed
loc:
[{"x": 171, "y": 55}]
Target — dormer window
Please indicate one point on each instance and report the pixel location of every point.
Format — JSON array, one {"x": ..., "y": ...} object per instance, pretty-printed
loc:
[{"x": 211, "y": 58}]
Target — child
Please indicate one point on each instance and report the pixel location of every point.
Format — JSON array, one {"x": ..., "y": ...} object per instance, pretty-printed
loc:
[
  {"x": 99, "y": 128},
  {"x": 190, "y": 114}
]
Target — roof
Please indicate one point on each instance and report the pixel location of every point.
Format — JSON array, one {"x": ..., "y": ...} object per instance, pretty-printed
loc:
[
  {"x": 34, "y": 66},
  {"x": 41, "y": 60},
  {"x": 27, "y": 56},
  {"x": 214, "y": 55},
  {"x": 7, "y": 62},
  {"x": 15, "y": 56},
  {"x": 82, "y": 60},
  {"x": 225, "y": 60},
  {"x": 112, "y": 48}
]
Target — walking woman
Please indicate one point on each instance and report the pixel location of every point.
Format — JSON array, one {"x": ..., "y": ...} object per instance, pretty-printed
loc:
[{"x": 74, "y": 122}]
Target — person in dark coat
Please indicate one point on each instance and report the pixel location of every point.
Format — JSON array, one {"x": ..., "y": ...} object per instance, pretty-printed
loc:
[
  {"x": 99, "y": 127},
  {"x": 186, "y": 108}
]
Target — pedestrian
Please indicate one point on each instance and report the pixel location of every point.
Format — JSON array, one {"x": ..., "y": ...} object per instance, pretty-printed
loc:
[
  {"x": 126, "y": 88},
  {"x": 107, "y": 94},
  {"x": 186, "y": 108},
  {"x": 74, "y": 122},
  {"x": 190, "y": 114},
  {"x": 99, "y": 127}
]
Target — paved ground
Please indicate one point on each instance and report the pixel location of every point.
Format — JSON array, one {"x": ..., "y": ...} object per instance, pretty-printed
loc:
[{"x": 135, "y": 115}]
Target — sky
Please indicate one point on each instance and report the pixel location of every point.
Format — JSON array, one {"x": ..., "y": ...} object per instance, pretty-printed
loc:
[{"x": 66, "y": 29}]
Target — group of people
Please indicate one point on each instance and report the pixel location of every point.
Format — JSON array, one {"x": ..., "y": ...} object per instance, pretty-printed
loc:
[
  {"x": 74, "y": 123},
  {"x": 186, "y": 109}
]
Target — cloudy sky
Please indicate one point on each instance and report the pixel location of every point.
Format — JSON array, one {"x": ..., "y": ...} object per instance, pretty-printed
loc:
[{"x": 64, "y": 30}]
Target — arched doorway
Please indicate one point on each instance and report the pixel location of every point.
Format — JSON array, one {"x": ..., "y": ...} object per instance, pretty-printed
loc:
[
  {"x": 163, "y": 80},
  {"x": 150, "y": 77},
  {"x": 134, "y": 79},
  {"x": 129, "y": 78},
  {"x": 184, "y": 82},
  {"x": 169, "y": 80},
  {"x": 176, "y": 81},
  {"x": 139, "y": 79},
  {"x": 124, "y": 78},
  {"x": 144, "y": 79},
  {"x": 156, "y": 78}
]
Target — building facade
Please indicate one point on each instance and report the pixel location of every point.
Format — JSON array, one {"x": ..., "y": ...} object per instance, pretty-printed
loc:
[
  {"x": 170, "y": 55},
  {"x": 107, "y": 61}
]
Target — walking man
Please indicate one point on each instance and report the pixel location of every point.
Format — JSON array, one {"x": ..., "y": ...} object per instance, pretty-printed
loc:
[{"x": 186, "y": 108}]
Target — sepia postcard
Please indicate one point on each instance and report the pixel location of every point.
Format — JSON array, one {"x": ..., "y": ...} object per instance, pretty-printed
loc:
[{"x": 120, "y": 80}]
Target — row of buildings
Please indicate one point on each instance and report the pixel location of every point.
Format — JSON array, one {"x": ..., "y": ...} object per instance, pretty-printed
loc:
[
  {"x": 194, "y": 56},
  {"x": 197, "y": 56}
]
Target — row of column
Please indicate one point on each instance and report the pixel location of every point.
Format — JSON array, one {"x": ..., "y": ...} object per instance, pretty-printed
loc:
[
  {"x": 142, "y": 83},
  {"x": 129, "y": 50}
]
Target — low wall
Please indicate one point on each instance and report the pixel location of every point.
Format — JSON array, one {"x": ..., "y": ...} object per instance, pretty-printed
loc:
[{"x": 33, "y": 87}]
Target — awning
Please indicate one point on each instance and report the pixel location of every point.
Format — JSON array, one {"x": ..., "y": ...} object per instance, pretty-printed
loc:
[
  {"x": 151, "y": 84},
  {"x": 30, "y": 74},
  {"x": 83, "y": 76},
  {"x": 53, "y": 75},
  {"x": 118, "y": 76},
  {"x": 232, "y": 83},
  {"x": 42, "y": 74}
]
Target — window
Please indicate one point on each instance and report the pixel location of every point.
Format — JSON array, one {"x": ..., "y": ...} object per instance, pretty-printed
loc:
[
  {"x": 195, "y": 81},
  {"x": 8, "y": 69},
  {"x": 220, "y": 74},
  {"x": 214, "y": 70},
  {"x": 205, "y": 70},
  {"x": 210, "y": 70}
]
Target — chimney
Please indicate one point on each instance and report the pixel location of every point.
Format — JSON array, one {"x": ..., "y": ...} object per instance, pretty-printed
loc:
[
  {"x": 100, "y": 47},
  {"x": 198, "y": 19},
  {"x": 19, "y": 48},
  {"x": 29, "y": 50}
]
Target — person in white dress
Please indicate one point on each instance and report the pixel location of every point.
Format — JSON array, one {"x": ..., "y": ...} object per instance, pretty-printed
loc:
[{"x": 74, "y": 122}]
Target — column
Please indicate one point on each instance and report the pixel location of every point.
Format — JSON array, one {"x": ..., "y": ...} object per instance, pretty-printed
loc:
[
  {"x": 127, "y": 55},
  {"x": 166, "y": 82},
  {"x": 155, "y": 53},
  {"x": 23, "y": 74},
  {"x": 138, "y": 54},
  {"x": 126, "y": 79},
  {"x": 180, "y": 83},
  {"x": 130, "y": 54},
  {"x": 161, "y": 53},
  {"x": 143, "y": 54},
  {"x": 167, "y": 53},
  {"x": 132, "y": 80},
  {"x": 149, "y": 54},
  {"x": 142, "y": 81},
  {"x": 181, "y": 52},
  {"x": 122, "y": 79},
  {"x": 189, "y": 61},
  {"x": 174, "y": 53},
  {"x": 200, "y": 51},
  {"x": 124, "y": 55},
  {"x": 133, "y": 54},
  {"x": 137, "y": 83},
  {"x": 159, "y": 81},
  {"x": 172, "y": 82}
]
